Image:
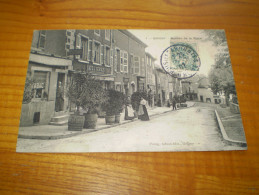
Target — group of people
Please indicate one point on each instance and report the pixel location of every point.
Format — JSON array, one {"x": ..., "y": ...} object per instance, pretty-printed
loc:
[{"x": 140, "y": 113}]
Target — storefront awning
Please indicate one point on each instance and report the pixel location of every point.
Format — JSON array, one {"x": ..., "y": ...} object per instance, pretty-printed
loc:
[{"x": 49, "y": 60}]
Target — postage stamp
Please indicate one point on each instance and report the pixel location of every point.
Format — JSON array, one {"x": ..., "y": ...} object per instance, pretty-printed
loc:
[{"x": 180, "y": 60}]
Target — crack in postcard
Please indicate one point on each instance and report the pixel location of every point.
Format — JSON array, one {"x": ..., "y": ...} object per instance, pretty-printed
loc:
[{"x": 129, "y": 91}]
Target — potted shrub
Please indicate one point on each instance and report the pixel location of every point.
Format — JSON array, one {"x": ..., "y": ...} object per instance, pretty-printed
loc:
[
  {"x": 94, "y": 96},
  {"x": 85, "y": 93},
  {"x": 28, "y": 90},
  {"x": 120, "y": 103},
  {"x": 75, "y": 94},
  {"x": 113, "y": 106}
]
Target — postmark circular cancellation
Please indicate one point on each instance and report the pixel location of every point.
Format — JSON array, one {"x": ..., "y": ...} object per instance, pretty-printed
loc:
[{"x": 180, "y": 60}]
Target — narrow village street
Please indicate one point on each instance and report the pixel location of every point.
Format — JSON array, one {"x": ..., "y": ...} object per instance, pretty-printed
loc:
[{"x": 191, "y": 129}]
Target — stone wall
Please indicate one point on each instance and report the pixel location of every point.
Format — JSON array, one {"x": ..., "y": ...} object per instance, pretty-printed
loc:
[{"x": 46, "y": 109}]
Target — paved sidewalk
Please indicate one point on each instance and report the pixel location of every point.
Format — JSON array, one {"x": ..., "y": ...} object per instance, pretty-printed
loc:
[
  {"x": 231, "y": 125},
  {"x": 46, "y": 132}
]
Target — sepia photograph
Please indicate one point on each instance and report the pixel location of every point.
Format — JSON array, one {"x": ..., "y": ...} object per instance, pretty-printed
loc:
[{"x": 129, "y": 91}]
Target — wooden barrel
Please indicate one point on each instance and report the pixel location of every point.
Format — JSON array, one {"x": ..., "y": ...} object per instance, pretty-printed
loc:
[
  {"x": 110, "y": 119},
  {"x": 117, "y": 118},
  {"x": 90, "y": 121},
  {"x": 75, "y": 122}
]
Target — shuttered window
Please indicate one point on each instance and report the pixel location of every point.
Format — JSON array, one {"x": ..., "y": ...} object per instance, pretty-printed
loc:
[
  {"x": 136, "y": 65},
  {"x": 42, "y": 39}
]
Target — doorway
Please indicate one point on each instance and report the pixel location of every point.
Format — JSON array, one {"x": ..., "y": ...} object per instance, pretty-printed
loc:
[
  {"x": 59, "y": 104},
  {"x": 201, "y": 98}
]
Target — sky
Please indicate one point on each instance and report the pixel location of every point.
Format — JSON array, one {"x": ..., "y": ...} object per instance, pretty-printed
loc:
[{"x": 159, "y": 40}]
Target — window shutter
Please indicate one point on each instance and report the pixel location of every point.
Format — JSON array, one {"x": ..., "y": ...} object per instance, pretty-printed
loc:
[
  {"x": 143, "y": 66},
  {"x": 121, "y": 61},
  {"x": 90, "y": 51},
  {"x": 102, "y": 55},
  {"x": 111, "y": 62},
  {"x": 78, "y": 41},
  {"x": 78, "y": 44},
  {"x": 93, "y": 51},
  {"x": 127, "y": 61},
  {"x": 118, "y": 61},
  {"x": 115, "y": 60}
]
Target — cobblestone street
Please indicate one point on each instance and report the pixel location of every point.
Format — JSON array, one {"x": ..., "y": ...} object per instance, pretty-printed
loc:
[{"x": 192, "y": 129}]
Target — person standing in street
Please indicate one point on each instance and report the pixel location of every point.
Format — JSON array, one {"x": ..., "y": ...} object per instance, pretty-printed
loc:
[
  {"x": 143, "y": 114},
  {"x": 174, "y": 104},
  {"x": 129, "y": 112}
]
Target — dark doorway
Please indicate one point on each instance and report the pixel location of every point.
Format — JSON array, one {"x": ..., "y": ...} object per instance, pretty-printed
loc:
[
  {"x": 201, "y": 97},
  {"x": 208, "y": 100},
  {"x": 171, "y": 96},
  {"x": 36, "y": 117},
  {"x": 163, "y": 97},
  {"x": 59, "y": 104}
]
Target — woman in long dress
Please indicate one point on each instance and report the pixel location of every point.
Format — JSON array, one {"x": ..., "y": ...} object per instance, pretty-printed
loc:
[
  {"x": 143, "y": 114},
  {"x": 129, "y": 113}
]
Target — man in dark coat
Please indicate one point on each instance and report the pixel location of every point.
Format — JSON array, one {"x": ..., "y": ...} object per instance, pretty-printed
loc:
[{"x": 174, "y": 104}]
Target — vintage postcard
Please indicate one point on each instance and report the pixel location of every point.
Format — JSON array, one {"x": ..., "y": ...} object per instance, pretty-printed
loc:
[{"x": 130, "y": 91}]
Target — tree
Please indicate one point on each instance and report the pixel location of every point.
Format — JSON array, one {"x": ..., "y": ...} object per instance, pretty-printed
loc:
[
  {"x": 115, "y": 102},
  {"x": 86, "y": 92},
  {"x": 28, "y": 90},
  {"x": 221, "y": 75}
]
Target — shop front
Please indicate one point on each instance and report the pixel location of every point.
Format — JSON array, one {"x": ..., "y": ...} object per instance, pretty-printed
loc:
[{"x": 49, "y": 76}]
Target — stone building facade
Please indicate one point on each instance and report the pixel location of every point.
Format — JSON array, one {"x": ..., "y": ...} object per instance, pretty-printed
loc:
[
  {"x": 150, "y": 79},
  {"x": 95, "y": 54},
  {"x": 129, "y": 62},
  {"x": 48, "y": 67}
]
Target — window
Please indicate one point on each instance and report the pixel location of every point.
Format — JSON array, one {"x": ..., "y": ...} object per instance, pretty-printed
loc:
[
  {"x": 143, "y": 66},
  {"x": 84, "y": 42},
  {"x": 125, "y": 62},
  {"x": 150, "y": 76},
  {"x": 42, "y": 39},
  {"x": 111, "y": 64},
  {"x": 121, "y": 61},
  {"x": 118, "y": 87},
  {"x": 97, "y": 32},
  {"x": 96, "y": 52},
  {"x": 78, "y": 41},
  {"x": 117, "y": 57},
  {"x": 107, "y": 34},
  {"x": 78, "y": 45},
  {"x": 131, "y": 64},
  {"x": 107, "y": 55},
  {"x": 70, "y": 41},
  {"x": 136, "y": 65},
  {"x": 67, "y": 47},
  {"x": 102, "y": 55},
  {"x": 41, "y": 84}
]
